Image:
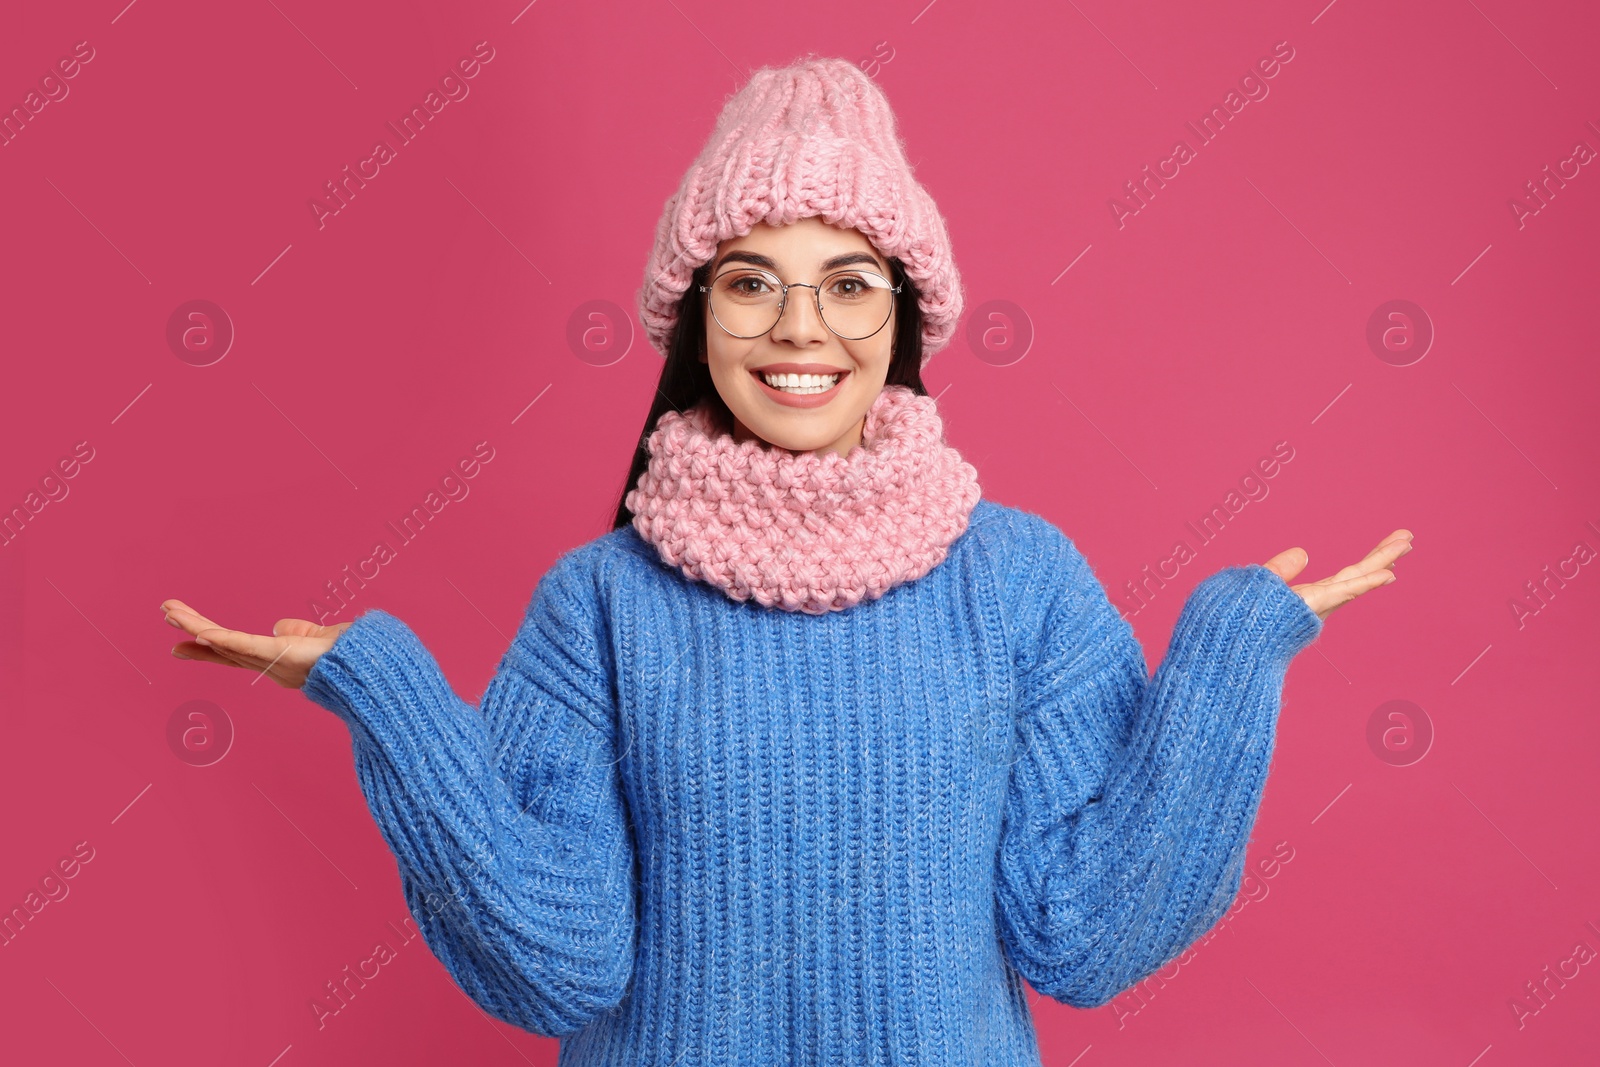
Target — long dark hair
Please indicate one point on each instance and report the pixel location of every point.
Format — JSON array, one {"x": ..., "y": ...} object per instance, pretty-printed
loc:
[{"x": 685, "y": 381}]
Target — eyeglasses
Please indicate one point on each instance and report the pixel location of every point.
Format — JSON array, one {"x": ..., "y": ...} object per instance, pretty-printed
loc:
[{"x": 748, "y": 302}]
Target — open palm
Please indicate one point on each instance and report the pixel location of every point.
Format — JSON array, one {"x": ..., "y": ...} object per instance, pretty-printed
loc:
[
  {"x": 287, "y": 656},
  {"x": 1341, "y": 588}
]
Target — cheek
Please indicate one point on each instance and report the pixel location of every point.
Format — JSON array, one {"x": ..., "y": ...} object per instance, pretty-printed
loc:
[
  {"x": 725, "y": 358},
  {"x": 873, "y": 359}
]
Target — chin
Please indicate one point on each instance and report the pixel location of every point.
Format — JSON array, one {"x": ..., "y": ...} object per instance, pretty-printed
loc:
[
  {"x": 805, "y": 444},
  {"x": 800, "y": 432}
]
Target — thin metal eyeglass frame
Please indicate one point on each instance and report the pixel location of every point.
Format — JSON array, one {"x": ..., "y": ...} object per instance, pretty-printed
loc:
[{"x": 783, "y": 300}]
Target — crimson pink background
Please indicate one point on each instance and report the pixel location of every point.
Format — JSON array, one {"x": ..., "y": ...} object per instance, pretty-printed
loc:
[{"x": 1120, "y": 379}]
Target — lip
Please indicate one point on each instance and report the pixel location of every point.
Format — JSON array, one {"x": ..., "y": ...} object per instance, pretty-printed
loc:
[{"x": 809, "y": 400}]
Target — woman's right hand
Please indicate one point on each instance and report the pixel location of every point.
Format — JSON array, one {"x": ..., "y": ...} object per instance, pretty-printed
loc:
[{"x": 287, "y": 656}]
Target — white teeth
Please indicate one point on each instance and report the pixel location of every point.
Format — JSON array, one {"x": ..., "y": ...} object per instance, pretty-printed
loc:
[{"x": 801, "y": 383}]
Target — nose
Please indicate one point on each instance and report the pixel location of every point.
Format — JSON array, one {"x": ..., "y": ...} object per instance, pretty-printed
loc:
[{"x": 800, "y": 320}]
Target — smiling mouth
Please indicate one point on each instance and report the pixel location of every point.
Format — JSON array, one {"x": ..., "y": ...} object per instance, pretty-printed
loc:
[{"x": 800, "y": 384}]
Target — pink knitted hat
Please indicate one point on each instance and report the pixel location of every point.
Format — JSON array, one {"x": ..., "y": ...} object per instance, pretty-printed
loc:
[{"x": 814, "y": 138}]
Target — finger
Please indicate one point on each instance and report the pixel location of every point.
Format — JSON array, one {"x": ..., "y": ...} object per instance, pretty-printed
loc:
[
  {"x": 205, "y": 654},
  {"x": 295, "y": 628},
  {"x": 174, "y": 604},
  {"x": 250, "y": 648},
  {"x": 1380, "y": 558},
  {"x": 1397, "y": 536},
  {"x": 212, "y": 654},
  {"x": 1330, "y": 593},
  {"x": 1288, "y": 563},
  {"x": 186, "y": 617},
  {"x": 235, "y": 646},
  {"x": 1400, "y": 538}
]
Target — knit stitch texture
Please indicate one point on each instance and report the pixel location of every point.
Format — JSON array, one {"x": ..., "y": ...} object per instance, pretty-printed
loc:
[
  {"x": 806, "y": 531},
  {"x": 684, "y": 830}
]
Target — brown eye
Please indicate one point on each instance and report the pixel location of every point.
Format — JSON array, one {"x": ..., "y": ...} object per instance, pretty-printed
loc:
[
  {"x": 850, "y": 288},
  {"x": 747, "y": 285}
]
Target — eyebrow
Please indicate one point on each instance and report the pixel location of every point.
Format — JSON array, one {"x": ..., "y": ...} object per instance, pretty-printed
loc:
[{"x": 767, "y": 262}]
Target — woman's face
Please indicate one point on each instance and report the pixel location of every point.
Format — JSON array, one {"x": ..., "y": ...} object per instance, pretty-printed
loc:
[{"x": 805, "y": 251}]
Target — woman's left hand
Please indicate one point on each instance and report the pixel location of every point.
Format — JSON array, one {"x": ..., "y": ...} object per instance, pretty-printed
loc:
[{"x": 1322, "y": 597}]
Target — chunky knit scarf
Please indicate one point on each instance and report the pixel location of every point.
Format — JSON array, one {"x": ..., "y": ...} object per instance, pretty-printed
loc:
[{"x": 805, "y": 531}]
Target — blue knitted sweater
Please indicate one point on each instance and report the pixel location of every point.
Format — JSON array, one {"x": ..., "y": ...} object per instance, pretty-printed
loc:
[{"x": 683, "y": 830}]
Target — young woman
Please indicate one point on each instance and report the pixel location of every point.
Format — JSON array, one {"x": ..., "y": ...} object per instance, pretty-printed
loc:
[{"x": 818, "y": 753}]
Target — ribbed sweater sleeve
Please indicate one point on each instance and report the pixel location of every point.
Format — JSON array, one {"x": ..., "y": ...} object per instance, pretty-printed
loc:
[
  {"x": 1131, "y": 803},
  {"x": 506, "y": 819}
]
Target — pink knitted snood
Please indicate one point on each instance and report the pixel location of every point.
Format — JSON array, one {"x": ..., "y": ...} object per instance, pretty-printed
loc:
[{"x": 806, "y": 531}]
